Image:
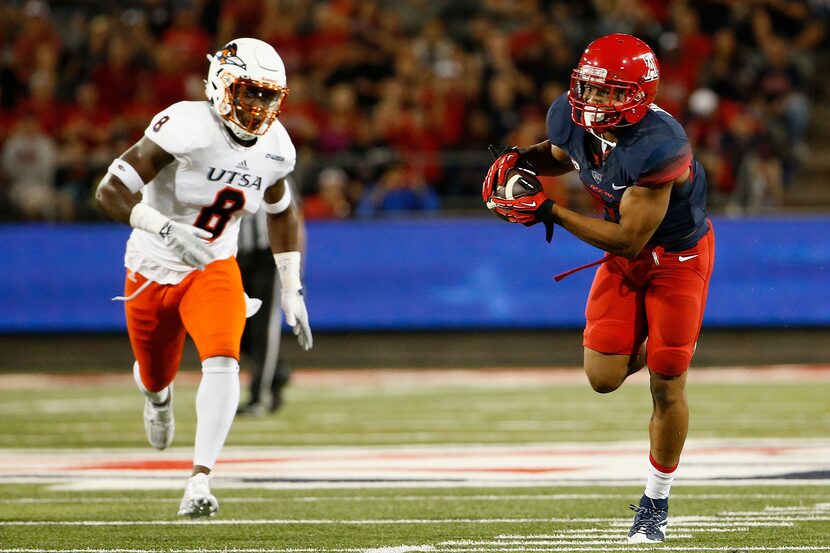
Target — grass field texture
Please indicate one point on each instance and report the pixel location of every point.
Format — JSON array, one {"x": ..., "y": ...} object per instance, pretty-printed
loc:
[{"x": 401, "y": 461}]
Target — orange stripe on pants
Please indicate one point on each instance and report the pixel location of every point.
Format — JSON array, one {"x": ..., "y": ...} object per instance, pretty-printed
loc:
[{"x": 209, "y": 305}]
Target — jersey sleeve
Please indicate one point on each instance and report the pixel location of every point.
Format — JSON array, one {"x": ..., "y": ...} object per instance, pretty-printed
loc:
[
  {"x": 559, "y": 123},
  {"x": 178, "y": 129},
  {"x": 283, "y": 149},
  {"x": 665, "y": 163}
]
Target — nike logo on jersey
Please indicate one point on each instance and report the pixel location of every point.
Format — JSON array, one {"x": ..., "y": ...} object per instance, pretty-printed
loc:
[
  {"x": 615, "y": 187},
  {"x": 683, "y": 258},
  {"x": 528, "y": 204}
]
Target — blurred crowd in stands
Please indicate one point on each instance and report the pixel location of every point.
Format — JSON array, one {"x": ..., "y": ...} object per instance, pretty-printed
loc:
[{"x": 393, "y": 102}]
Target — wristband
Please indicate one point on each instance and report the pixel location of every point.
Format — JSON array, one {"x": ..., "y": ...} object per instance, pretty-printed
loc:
[
  {"x": 147, "y": 218},
  {"x": 288, "y": 267},
  {"x": 127, "y": 174},
  {"x": 281, "y": 205}
]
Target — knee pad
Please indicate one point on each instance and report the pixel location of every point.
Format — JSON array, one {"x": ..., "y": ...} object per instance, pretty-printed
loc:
[
  {"x": 220, "y": 365},
  {"x": 669, "y": 361}
]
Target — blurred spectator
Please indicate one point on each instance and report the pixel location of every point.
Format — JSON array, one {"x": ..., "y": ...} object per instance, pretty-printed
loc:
[
  {"x": 115, "y": 76},
  {"x": 29, "y": 164},
  {"x": 778, "y": 86},
  {"x": 331, "y": 200},
  {"x": 430, "y": 82},
  {"x": 398, "y": 190},
  {"x": 682, "y": 54},
  {"x": 187, "y": 42}
]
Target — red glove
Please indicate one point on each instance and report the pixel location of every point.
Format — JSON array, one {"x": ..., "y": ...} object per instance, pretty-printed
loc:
[
  {"x": 505, "y": 159},
  {"x": 527, "y": 210}
]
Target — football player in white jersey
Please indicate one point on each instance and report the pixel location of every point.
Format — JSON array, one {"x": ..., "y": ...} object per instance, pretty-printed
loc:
[{"x": 183, "y": 187}]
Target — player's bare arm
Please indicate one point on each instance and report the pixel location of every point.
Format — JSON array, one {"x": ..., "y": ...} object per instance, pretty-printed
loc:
[
  {"x": 113, "y": 196},
  {"x": 119, "y": 196},
  {"x": 641, "y": 211},
  {"x": 285, "y": 236},
  {"x": 283, "y": 227},
  {"x": 547, "y": 159}
]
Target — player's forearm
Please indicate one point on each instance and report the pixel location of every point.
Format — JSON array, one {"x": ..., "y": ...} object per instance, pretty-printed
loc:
[
  {"x": 540, "y": 156},
  {"x": 115, "y": 200},
  {"x": 284, "y": 231},
  {"x": 605, "y": 235}
]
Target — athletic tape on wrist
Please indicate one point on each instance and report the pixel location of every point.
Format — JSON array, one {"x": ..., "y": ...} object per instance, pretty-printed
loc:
[
  {"x": 288, "y": 267},
  {"x": 281, "y": 205},
  {"x": 127, "y": 174},
  {"x": 147, "y": 218}
]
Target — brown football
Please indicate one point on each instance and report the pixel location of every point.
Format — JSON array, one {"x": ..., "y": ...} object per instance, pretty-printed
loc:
[{"x": 518, "y": 183}]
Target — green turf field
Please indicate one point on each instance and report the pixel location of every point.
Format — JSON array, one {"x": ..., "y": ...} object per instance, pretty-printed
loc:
[{"x": 58, "y": 512}]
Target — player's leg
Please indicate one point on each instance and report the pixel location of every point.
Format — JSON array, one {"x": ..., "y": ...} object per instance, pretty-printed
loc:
[
  {"x": 614, "y": 329},
  {"x": 213, "y": 311},
  {"x": 669, "y": 423},
  {"x": 157, "y": 339},
  {"x": 674, "y": 303}
]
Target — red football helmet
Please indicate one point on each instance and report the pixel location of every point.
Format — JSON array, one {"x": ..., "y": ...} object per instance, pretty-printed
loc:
[{"x": 615, "y": 82}]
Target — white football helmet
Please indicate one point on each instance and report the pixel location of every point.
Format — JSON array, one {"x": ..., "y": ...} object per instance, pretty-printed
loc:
[{"x": 246, "y": 86}]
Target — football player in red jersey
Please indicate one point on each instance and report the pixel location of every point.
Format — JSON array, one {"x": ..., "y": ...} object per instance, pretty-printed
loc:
[{"x": 646, "y": 303}]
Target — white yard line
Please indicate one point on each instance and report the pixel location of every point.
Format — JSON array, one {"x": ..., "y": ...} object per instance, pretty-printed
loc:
[
  {"x": 419, "y": 498},
  {"x": 398, "y": 378},
  {"x": 279, "y": 499},
  {"x": 677, "y": 522},
  {"x": 439, "y": 549}
]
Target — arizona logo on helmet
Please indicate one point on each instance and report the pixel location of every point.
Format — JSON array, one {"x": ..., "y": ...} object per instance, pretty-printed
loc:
[{"x": 227, "y": 55}]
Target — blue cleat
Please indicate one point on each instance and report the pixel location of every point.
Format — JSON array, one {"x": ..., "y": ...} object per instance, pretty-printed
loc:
[{"x": 651, "y": 521}]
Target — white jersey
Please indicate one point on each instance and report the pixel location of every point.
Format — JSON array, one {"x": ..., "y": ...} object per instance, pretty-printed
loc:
[{"x": 211, "y": 184}]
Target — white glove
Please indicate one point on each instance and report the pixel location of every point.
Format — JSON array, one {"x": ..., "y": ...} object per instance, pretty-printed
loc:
[
  {"x": 296, "y": 315},
  {"x": 291, "y": 297},
  {"x": 186, "y": 241}
]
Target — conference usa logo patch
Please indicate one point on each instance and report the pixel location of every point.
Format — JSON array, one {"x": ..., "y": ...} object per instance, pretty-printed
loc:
[{"x": 597, "y": 176}]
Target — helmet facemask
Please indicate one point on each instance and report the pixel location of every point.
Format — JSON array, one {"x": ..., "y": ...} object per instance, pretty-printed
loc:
[
  {"x": 600, "y": 104},
  {"x": 251, "y": 105}
]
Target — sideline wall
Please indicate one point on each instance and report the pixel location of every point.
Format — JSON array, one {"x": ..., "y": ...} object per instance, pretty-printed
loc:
[{"x": 428, "y": 274}]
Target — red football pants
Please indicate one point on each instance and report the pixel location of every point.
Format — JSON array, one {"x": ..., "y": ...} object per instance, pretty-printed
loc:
[
  {"x": 209, "y": 305},
  {"x": 632, "y": 299}
]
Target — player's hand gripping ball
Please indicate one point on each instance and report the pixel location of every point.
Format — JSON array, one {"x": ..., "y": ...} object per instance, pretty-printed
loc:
[
  {"x": 519, "y": 184},
  {"x": 521, "y": 199}
]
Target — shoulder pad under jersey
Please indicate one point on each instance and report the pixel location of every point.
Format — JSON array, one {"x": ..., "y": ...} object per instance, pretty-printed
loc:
[
  {"x": 182, "y": 127},
  {"x": 559, "y": 123},
  {"x": 279, "y": 143}
]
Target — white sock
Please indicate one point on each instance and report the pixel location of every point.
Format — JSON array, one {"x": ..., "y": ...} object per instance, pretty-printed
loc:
[
  {"x": 216, "y": 403},
  {"x": 156, "y": 397},
  {"x": 659, "y": 481}
]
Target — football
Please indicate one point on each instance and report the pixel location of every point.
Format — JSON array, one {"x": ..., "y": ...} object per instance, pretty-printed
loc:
[{"x": 518, "y": 183}]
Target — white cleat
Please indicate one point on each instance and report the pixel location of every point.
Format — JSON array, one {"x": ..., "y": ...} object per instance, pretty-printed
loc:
[
  {"x": 198, "y": 501},
  {"x": 159, "y": 425}
]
